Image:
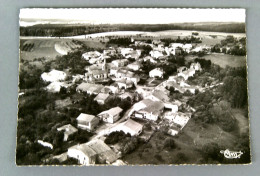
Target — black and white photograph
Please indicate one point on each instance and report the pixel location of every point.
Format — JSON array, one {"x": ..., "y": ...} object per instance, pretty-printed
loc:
[{"x": 133, "y": 86}]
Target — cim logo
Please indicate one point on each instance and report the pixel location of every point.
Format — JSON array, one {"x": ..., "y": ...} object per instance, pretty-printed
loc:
[{"x": 231, "y": 154}]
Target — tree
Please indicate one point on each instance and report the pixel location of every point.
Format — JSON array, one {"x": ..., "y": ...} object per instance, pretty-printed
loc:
[{"x": 169, "y": 143}]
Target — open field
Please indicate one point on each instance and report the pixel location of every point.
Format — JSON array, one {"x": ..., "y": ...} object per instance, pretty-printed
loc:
[{"x": 224, "y": 60}]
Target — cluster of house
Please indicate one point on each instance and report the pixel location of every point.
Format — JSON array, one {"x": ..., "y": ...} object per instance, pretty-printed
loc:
[
  {"x": 155, "y": 103},
  {"x": 178, "y": 81}
]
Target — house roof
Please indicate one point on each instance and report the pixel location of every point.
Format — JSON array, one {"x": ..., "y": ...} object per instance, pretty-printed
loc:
[
  {"x": 103, "y": 150},
  {"x": 85, "y": 117},
  {"x": 69, "y": 129},
  {"x": 90, "y": 87},
  {"x": 112, "y": 111},
  {"x": 132, "y": 125},
  {"x": 84, "y": 148},
  {"x": 150, "y": 106},
  {"x": 101, "y": 96},
  {"x": 160, "y": 95},
  {"x": 98, "y": 72},
  {"x": 154, "y": 107}
]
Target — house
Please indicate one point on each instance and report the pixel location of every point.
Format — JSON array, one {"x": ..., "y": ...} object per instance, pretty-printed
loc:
[
  {"x": 114, "y": 88},
  {"x": 135, "y": 54},
  {"x": 109, "y": 52},
  {"x": 130, "y": 126},
  {"x": 156, "y": 54},
  {"x": 101, "y": 98},
  {"x": 53, "y": 76},
  {"x": 144, "y": 91},
  {"x": 159, "y": 95},
  {"x": 176, "y": 86},
  {"x": 83, "y": 153},
  {"x": 89, "y": 88},
  {"x": 157, "y": 72},
  {"x": 125, "y": 51},
  {"x": 120, "y": 62},
  {"x": 113, "y": 71},
  {"x": 124, "y": 84},
  {"x": 180, "y": 119},
  {"x": 95, "y": 151},
  {"x": 172, "y": 106},
  {"x": 68, "y": 130},
  {"x": 128, "y": 75},
  {"x": 188, "y": 73},
  {"x": 92, "y": 54},
  {"x": 134, "y": 66},
  {"x": 56, "y": 86},
  {"x": 111, "y": 115},
  {"x": 187, "y": 47},
  {"x": 87, "y": 122},
  {"x": 105, "y": 155},
  {"x": 147, "y": 109}
]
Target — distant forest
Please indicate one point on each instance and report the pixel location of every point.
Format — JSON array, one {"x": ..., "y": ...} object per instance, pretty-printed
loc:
[{"x": 60, "y": 30}]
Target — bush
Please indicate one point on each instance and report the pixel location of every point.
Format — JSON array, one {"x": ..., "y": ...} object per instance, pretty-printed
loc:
[
  {"x": 169, "y": 143},
  {"x": 115, "y": 137}
]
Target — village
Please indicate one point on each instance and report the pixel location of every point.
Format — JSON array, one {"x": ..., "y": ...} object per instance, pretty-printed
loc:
[{"x": 143, "y": 77}]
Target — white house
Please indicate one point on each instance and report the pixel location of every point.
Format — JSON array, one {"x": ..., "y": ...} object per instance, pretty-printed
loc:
[
  {"x": 83, "y": 153},
  {"x": 125, "y": 51},
  {"x": 68, "y": 130},
  {"x": 53, "y": 76},
  {"x": 87, "y": 122},
  {"x": 89, "y": 88},
  {"x": 179, "y": 118},
  {"x": 92, "y": 54},
  {"x": 130, "y": 126},
  {"x": 156, "y": 54},
  {"x": 147, "y": 109},
  {"x": 134, "y": 66},
  {"x": 157, "y": 72},
  {"x": 120, "y": 62},
  {"x": 124, "y": 84},
  {"x": 111, "y": 115}
]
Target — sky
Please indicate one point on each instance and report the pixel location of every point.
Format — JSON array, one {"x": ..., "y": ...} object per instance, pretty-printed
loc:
[{"x": 129, "y": 15}]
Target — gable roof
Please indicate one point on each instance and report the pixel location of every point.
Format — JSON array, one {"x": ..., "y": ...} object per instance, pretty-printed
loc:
[
  {"x": 160, "y": 95},
  {"x": 85, "y": 117},
  {"x": 103, "y": 150},
  {"x": 101, "y": 96},
  {"x": 132, "y": 125},
  {"x": 96, "y": 88},
  {"x": 84, "y": 148},
  {"x": 113, "y": 111}
]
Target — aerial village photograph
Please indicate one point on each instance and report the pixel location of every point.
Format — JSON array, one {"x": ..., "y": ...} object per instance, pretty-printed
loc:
[{"x": 132, "y": 86}]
